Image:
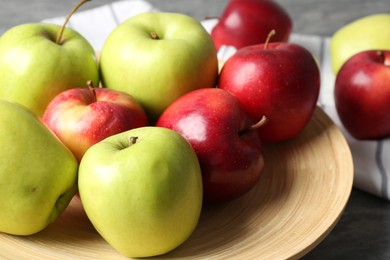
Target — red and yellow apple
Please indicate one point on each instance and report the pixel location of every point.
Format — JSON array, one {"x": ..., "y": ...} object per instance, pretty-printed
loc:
[{"x": 81, "y": 117}]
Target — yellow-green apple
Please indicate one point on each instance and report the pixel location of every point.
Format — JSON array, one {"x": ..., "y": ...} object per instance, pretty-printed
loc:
[
  {"x": 81, "y": 117},
  {"x": 142, "y": 190},
  {"x": 278, "y": 80},
  {"x": 157, "y": 57},
  {"x": 38, "y": 174},
  {"x": 229, "y": 152},
  {"x": 38, "y": 61},
  {"x": 371, "y": 32},
  {"x": 248, "y": 22},
  {"x": 362, "y": 94}
]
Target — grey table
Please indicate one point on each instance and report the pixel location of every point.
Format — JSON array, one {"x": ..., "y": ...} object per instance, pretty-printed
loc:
[{"x": 363, "y": 231}]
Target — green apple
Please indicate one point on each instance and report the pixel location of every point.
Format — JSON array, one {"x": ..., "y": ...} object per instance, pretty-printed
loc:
[
  {"x": 367, "y": 33},
  {"x": 142, "y": 190},
  {"x": 36, "y": 64},
  {"x": 157, "y": 57},
  {"x": 38, "y": 174}
]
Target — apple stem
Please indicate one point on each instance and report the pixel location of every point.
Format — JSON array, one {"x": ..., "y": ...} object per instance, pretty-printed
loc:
[
  {"x": 59, "y": 37},
  {"x": 154, "y": 35},
  {"x": 259, "y": 124},
  {"x": 381, "y": 53},
  {"x": 255, "y": 126},
  {"x": 270, "y": 34},
  {"x": 92, "y": 89},
  {"x": 133, "y": 140}
]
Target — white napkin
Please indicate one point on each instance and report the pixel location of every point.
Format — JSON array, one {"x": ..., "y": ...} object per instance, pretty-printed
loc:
[
  {"x": 97, "y": 23},
  {"x": 372, "y": 170}
]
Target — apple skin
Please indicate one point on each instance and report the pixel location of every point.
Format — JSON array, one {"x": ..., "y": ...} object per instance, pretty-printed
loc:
[
  {"x": 248, "y": 22},
  {"x": 38, "y": 174},
  {"x": 280, "y": 81},
  {"x": 371, "y": 32},
  {"x": 144, "y": 198},
  {"x": 158, "y": 71},
  {"x": 213, "y": 122},
  {"x": 81, "y": 117},
  {"x": 34, "y": 69},
  {"x": 362, "y": 94}
]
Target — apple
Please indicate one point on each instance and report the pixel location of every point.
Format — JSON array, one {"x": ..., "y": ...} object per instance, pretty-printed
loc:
[
  {"x": 157, "y": 57},
  {"x": 142, "y": 190},
  {"x": 81, "y": 117},
  {"x": 38, "y": 61},
  {"x": 248, "y": 22},
  {"x": 371, "y": 32},
  {"x": 229, "y": 152},
  {"x": 362, "y": 94},
  {"x": 278, "y": 80},
  {"x": 38, "y": 174}
]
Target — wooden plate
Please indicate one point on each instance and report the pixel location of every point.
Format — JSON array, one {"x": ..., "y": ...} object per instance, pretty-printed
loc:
[{"x": 303, "y": 192}]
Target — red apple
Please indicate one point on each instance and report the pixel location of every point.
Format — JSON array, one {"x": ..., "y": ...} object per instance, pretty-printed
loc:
[
  {"x": 81, "y": 117},
  {"x": 230, "y": 154},
  {"x": 278, "y": 80},
  {"x": 362, "y": 94},
  {"x": 248, "y": 22}
]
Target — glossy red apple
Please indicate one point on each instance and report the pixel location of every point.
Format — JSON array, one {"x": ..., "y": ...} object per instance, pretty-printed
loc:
[
  {"x": 278, "y": 80},
  {"x": 230, "y": 154},
  {"x": 362, "y": 94},
  {"x": 248, "y": 22},
  {"x": 81, "y": 117}
]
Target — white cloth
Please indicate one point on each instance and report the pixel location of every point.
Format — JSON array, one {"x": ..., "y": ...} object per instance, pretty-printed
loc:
[
  {"x": 97, "y": 23},
  {"x": 372, "y": 170}
]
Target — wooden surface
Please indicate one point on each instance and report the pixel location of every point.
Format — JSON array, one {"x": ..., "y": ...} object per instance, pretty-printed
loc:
[
  {"x": 316, "y": 17},
  {"x": 303, "y": 192}
]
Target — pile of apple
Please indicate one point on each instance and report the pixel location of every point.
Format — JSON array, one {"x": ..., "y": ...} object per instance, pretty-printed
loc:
[
  {"x": 152, "y": 130},
  {"x": 360, "y": 54}
]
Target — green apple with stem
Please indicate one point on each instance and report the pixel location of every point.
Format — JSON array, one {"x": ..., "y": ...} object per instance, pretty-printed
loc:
[
  {"x": 142, "y": 190},
  {"x": 38, "y": 61},
  {"x": 156, "y": 57},
  {"x": 371, "y": 32},
  {"x": 38, "y": 174}
]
